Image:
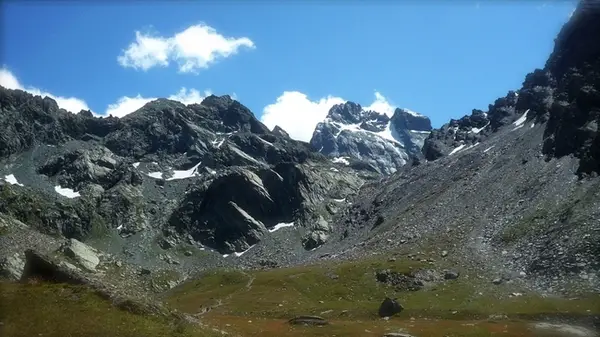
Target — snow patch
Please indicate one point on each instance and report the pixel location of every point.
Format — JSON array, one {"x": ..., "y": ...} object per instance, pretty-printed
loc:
[
  {"x": 456, "y": 149},
  {"x": 11, "y": 179},
  {"x": 136, "y": 164},
  {"x": 66, "y": 192},
  {"x": 155, "y": 175},
  {"x": 478, "y": 130},
  {"x": 339, "y": 200},
  {"x": 489, "y": 148},
  {"x": 280, "y": 226},
  {"x": 334, "y": 169},
  {"x": 532, "y": 125},
  {"x": 519, "y": 122},
  {"x": 238, "y": 254},
  {"x": 217, "y": 143},
  {"x": 340, "y": 160},
  {"x": 413, "y": 113},
  {"x": 185, "y": 173}
]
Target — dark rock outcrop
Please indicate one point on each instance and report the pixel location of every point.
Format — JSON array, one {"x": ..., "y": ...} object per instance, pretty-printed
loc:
[
  {"x": 389, "y": 307},
  {"x": 574, "y": 86},
  {"x": 235, "y": 210}
]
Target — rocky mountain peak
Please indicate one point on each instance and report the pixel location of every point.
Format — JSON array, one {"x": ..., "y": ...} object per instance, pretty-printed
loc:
[
  {"x": 370, "y": 139},
  {"x": 404, "y": 119}
]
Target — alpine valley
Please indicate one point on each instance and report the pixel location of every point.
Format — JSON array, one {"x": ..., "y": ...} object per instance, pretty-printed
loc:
[{"x": 199, "y": 220}]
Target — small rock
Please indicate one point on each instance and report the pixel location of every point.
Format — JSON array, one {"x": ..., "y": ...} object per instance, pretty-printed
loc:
[
  {"x": 145, "y": 271},
  {"x": 187, "y": 253},
  {"x": 497, "y": 281},
  {"x": 392, "y": 259},
  {"x": 308, "y": 320},
  {"x": 397, "y": 334},
  {"x": 444, "y": 253},
  {"x": 119, "y": 264},
  {"x": 451, "y": 275}
]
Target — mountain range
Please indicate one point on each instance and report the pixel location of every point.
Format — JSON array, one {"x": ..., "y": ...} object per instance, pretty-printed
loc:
[{"x": 512, "y": 192}]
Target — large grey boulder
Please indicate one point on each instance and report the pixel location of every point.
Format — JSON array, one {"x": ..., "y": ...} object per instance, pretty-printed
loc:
[
  {"x": 11, "y": 267},
  {"x": 85, "y": 255}
]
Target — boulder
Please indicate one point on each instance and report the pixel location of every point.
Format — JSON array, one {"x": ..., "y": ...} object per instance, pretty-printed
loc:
[
  {"x": 12, "y": 267},
  {"x": 389, "y": 307},
  {"x": 85, "y": 255}
]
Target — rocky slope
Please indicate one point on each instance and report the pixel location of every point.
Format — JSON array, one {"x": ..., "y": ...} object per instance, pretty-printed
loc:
[
  {"x": 369, "y": 139},
  {"x": 209, "y": 176},
  {"x": 514, "y": 190}
]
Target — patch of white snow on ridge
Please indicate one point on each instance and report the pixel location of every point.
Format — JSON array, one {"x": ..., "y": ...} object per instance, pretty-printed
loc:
[
  {"x": 66, "y": 192},
  {"x": 532, "y": 125},
  {"x": 155, "y": 175},
  {"x": 339, "y": 200},
  {"x": 387, "y": 133},
  {"x": 341, "y": 160},
  {"x": 11, "y": 179},
  {"x": 238, "y": 254},
  {"x": 185, "y": 173},
  {"x": 489, "y": 148},
  {"x": 519, "y": 122},
  {"x": 456, "y": 149},
  {"x": 478, "y": 130},
  {"x": 136, "y": 164},
  {"x": 218, "y": 143},
  {"x": 413, "y": 113},
  {"x": 420, "y": 131},
  {"x": 280, "y": 226}
]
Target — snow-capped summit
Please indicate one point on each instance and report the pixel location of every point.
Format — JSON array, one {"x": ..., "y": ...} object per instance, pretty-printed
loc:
[{"x": 371, "y": 137}]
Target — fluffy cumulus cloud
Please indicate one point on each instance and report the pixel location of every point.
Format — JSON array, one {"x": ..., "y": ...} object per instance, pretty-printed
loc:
[
  {"x": 126, "y": 105},
  {"x": 10, "y": 81},
  {"x": 195, "y": 48},
  {"x": 190, "y": 96},
  {"x": 123, "y": 106},
  {"x": 298, "y": 115},
  {"x": 381, "y": 105}
]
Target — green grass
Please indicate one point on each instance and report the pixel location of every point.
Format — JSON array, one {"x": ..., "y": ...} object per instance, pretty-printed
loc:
[
  {"x": 68, "y": 311},
  {"x": 282, "y": 293}
]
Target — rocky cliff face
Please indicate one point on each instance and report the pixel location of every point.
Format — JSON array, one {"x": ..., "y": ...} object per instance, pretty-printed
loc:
[
  {"x": 563, "y": 94},
  {"x": 513, "y": 190},
  {"x": 210, "y": 172},
  {"x": 371, "y": 139}
]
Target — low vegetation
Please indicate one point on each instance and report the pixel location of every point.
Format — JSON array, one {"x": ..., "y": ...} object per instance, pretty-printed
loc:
[
  {"x": 71, "y": 311},
  {"x": 259, "y": 303}
]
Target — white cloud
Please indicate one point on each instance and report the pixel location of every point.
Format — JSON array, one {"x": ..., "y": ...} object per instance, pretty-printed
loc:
[
  {"x": 10, "y": 81},
  {"x": 126, "y": 105},
  {"x": 190, "y": 96},
  {"x": 195, "y": 48},
  {"x": 298, "y": 115},
  {"x": 381, "y": 105},
  {"x": 146, "y": 52}
]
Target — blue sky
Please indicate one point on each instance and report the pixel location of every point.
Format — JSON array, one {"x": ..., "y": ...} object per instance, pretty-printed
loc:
[{"x": 287, "y": 62}]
